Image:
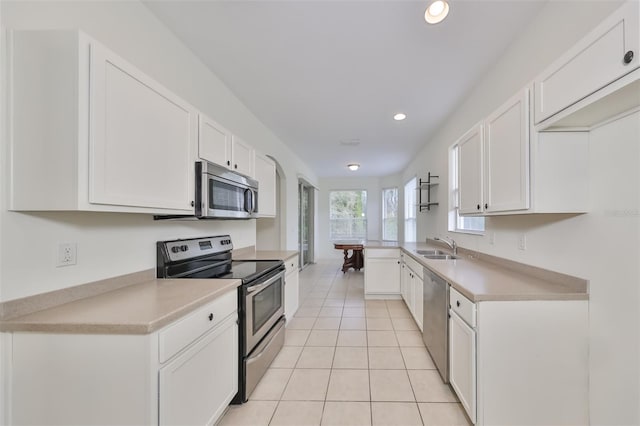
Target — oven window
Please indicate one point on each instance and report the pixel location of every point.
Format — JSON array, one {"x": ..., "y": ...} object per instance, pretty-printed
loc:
[
  {"x": 266, "y": 303},
  {"x": 223, "y": 196}
]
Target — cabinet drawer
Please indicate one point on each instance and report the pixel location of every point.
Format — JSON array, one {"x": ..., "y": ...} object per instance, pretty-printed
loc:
[
  {"x": 291, "y": 265},
  {"x": 462, "y": 306},
  {"x": 184, "y": 331},
  {"x": 376, "y": 253}
]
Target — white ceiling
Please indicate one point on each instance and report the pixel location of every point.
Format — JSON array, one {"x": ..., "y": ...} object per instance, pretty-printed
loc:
[{"x": 321, "y": 72}]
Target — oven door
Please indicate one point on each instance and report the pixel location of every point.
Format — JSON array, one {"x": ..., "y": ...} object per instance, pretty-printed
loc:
[{"x": 264, "y": 302}]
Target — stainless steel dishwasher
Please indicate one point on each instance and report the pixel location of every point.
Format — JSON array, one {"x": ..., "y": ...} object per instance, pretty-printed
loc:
[{"x": 435, "y": 322}]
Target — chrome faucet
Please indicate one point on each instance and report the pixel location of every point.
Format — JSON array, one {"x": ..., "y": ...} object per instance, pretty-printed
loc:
[{"x": 450, "y": 242}]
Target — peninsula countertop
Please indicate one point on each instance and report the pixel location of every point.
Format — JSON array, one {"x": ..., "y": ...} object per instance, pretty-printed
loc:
[{"x": 486, "y": 278}]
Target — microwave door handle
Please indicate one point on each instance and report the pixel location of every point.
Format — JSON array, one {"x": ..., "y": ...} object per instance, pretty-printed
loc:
[
  {"x": 254, "y": 206},
  {"x": 248, "y": 201}
]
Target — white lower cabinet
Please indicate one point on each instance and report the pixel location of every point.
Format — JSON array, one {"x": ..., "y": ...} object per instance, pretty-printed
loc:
[
  {"x": 462, "y": 357},
  {"x": 412, "y": 287},
  {"x": 121, "y": 379},
  {"x": 291, "y": 288},
  {"x": 196, "y": 387},
  {"x": 382, "y": 272},
  {"x": 520, "y": 362}
]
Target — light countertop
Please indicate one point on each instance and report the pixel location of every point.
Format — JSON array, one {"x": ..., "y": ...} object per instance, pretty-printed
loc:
[
  {"x": 139, "y": 308},
  {"x": 251, "y": 253},
  {"x": 136, "y": 309},
  {"x": 483, "y": 278}
]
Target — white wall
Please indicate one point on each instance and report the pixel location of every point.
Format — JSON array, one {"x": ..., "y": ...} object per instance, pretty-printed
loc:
[
  {"x": 602, "y": 246},
  {"x": 115, "y": 244}
]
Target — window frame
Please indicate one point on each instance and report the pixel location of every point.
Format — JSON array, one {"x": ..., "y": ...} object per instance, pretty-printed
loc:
[
  {"x": 365, "y": 211},
  {"x": 413, "y": 208},
  {"x": 383, "y": 204}
]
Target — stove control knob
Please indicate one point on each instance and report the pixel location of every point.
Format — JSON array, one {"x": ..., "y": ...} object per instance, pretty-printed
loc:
[
  {"x": 184, "y": 248},
  {"x": 175, "y": 249}
]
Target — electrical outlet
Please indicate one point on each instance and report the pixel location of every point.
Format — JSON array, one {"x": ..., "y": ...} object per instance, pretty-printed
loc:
[
  {"x": 522, "y": 241},
  {"x": 66, "y": 254}
]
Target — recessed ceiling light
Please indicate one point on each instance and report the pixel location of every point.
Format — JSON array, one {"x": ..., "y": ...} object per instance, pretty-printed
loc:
[
  {"x": 399, "y": 116},
  {"x": 436, "y": 11},
  {"x": 353, "y": 166}
]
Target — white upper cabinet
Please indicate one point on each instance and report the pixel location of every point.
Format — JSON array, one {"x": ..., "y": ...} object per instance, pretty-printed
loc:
[
  {"x": 214, "y": 142},
  {"x": 506, "y": 156},
  {"x": 607, "y": 53},
  {"x": 217, "y": 145},
  {"x": 241, "y": 156},
  {"x": 265, "y": 174},
  {"x": 470, "y": 173},
  {"x": 140, "y": 138},
  {"x": 505, "y": 168},
  {"x": 92, "y": 132}
]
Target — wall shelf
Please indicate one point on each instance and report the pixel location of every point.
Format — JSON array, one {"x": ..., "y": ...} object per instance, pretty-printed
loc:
[{"x": 426, "y": 185}]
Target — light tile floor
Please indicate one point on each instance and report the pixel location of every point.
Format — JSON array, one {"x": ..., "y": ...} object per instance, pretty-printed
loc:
[{"x": 349, "y": 361}]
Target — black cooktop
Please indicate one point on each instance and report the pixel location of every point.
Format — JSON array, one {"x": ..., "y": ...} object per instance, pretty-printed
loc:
[{"x": 209, "y": 257}]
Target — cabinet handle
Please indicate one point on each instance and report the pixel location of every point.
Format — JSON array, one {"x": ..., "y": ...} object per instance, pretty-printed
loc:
[
  {"x": 458, "y": 303},
  {"x": 210, "y": 317},
  {"x": 193, "y": 204},
  {"x": 235, "y": 166},
  {"x": 478, "y": 207},
  {"x": 486, "y": 206},
  {"x": 398, "y": 262},
  {"x": 228, "y": 163},
  {"x": 628, "y": 57}
]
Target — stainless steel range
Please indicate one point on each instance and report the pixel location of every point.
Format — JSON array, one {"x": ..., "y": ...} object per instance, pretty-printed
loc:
[{"x": 260, "y": 298}]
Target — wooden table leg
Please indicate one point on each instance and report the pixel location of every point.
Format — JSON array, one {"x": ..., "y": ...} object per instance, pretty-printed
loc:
[
  {"x": 358, "y": 259},
  {"x": 347, "y": 262}
]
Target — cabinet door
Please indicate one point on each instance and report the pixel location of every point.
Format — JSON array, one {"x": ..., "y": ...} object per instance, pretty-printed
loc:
[
  {"x": 597, "y": 60},
  {"x": 506, "y": 154},
  {"x": 141, "y": 138},
  {"x": 242, "y": 156},
  {"x": 382, "y": 276},
  {"x": 470, "y": 171},
  {"x": 291, "y": 293},
  {"x": 197, "y": 386},
  {"x": 418, "y": 293},
  {"x": 404, "y": 283},
  {"x": 265, "y": 173},
  {"x": 214, "y": 142},
  {"x": 462, "y": 363}
]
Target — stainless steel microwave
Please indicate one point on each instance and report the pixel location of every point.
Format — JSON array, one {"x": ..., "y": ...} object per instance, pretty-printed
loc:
[{"x": 222, "y": 193}]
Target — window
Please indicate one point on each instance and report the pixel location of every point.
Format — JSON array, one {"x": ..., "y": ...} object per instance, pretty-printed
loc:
[
  {"x": 457, "y": 223},
  {"x": 410, "y": 229},
  {"x": 347, "y": 215},
  {"x": 390, "y": 214}
]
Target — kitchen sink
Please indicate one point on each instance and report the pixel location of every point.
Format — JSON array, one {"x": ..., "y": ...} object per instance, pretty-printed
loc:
[
  {"x": 431, "y": 252},
  {"x": 442, "y": 256}
]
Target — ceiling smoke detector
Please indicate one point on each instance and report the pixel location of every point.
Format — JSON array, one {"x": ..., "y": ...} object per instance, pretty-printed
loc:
[
  {"x": 349, "y": 142},
  {"x": 436, "y": 11},
  {"x": 353, "y": 166}
]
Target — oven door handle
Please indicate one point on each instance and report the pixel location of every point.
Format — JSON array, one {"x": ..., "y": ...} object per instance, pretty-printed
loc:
[{"x": 264, "y": 285}]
